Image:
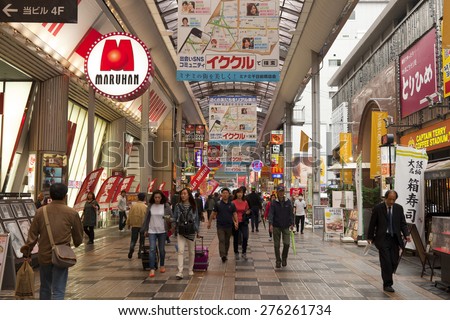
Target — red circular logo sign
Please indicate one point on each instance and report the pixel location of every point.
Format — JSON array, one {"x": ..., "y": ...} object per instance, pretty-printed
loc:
[{"x": 119, "y": 66}]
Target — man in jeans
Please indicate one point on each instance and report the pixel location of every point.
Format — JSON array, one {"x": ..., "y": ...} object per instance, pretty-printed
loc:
[
  {"x": 122, "y": 210},
  {"x": 136, "y": 218},
  {"x": 65, "y": 224},
  {"x": 280, "y": 220},
  {"x": 227, "y": 219}
]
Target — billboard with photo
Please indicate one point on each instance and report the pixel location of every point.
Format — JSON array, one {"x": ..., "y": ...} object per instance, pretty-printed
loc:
[{"x": 228, "y": 40}]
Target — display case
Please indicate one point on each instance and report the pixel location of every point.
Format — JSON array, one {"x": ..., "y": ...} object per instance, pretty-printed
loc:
[
  {"x": 440, "y": 229},
  {"x": 440, "y": 244}
]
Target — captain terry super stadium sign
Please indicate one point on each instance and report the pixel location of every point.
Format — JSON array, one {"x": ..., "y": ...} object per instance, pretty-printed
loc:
[{"x": 119, "y": 66}]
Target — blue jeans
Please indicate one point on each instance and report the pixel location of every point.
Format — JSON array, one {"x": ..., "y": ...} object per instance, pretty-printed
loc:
[
  {"x": 161, "y": 243},
  {"x": 122, "y": 219},
  {"x": 53, "y": 282},
  {"x": 135, "y": 234}
]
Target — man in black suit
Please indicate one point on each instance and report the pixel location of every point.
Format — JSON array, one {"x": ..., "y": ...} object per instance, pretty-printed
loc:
[{"x": 387, "y": 224}]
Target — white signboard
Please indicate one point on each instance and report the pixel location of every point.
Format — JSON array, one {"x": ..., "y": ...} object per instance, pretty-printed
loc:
[{"x": 409, "y": 184}]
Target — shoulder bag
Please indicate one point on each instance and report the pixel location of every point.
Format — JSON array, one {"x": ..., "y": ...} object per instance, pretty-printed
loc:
[{"x": 62, "y": 254}]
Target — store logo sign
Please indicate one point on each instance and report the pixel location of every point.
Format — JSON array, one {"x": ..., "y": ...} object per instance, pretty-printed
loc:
[{"x": 119, "y": 66}]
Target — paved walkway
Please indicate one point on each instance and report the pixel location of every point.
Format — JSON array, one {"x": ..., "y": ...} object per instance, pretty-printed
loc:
[{"x": 320, "y": 270}]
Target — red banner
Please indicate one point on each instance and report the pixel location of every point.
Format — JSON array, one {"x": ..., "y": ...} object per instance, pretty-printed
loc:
[
  {"x": 125, "y": 184},
  {"x": 212, "y": 186},
  {"x": 161, "y": 186},
  {"x": 201, "y": 175},
  {"x": 150, "y": 185},
  {"x": 107, "y": 191},
  {"x": 89, "y": 184},
  {"x": 149, "y": 188}
]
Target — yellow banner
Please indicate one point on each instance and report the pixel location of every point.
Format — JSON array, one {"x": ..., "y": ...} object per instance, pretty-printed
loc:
[
  {"x": 304, "y": 142},
  {"x": 377, "y": 131},
  {"x": 446, "y": 71},
  {"x": 446, "y": 25},
  {"x": 345, "y": 151}
]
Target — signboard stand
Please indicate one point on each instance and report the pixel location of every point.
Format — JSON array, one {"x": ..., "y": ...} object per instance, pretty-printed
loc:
[
  {"x": 318, "y": 215},
  {"x": 7, "y": 268}
]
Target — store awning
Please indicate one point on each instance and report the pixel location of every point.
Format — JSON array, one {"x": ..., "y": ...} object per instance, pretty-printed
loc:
[
  {"x": 352, "y": 166},
  {"x": 438, "y": 170}
]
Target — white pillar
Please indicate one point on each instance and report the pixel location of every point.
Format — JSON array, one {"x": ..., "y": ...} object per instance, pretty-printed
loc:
[{"x": 315, "y": 126}]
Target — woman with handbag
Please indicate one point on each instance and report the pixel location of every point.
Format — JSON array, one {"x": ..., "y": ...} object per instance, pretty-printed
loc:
[
  {"x": 186, "y": 220},
  {"x": 155, "y": 227},
  {"x": 89, "y": 217},
  {"x": 243, "y": 213}
]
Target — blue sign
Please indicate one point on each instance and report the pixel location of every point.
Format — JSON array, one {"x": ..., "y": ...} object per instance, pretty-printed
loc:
[{"x": 277, "y": 176}]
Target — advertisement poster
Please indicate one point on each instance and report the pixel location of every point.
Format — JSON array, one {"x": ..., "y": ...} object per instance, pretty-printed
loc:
[
  {"x": 189, "y": 132},
  {"x": 4, "y": 240},
  {"x": 54, "y": 170},
  {"x": 232, "y": 119},
  {"x": 228, "y": 40},
  {"x": 199, "y": 132},
  {"x": 334, "y": 220},
  {"x": 213, "y": 156}
]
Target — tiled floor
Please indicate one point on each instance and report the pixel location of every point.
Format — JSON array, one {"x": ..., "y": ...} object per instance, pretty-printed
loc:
[{"x": 319, "y": 270}]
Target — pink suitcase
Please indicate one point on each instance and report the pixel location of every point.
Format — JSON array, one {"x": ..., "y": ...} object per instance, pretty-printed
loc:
[{"x": 201, "y": 260}]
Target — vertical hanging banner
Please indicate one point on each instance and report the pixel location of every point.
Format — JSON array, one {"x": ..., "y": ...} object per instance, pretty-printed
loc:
[
  {"x": 378, "y": 129},
  {"x": 446, "y": 25},
  {"x": 304, "y": 142},
  {"x": 150, "y": 185},
  {"x": 125, "y": 184},
  {"x": 161, "y": 186},
  {"x": 198, "y": 178},
  {"x": 212, "y": 186},
  {"x": 89, "y": 184},
  {"x": 107, "y": 191},
  {"x": 346, "y": 154},
  {"x": 446, "y": 71},
  {"x": 418, "y": 74},
  {"x": 228, "y": 40},
  {"x": 409, "y": 184}
]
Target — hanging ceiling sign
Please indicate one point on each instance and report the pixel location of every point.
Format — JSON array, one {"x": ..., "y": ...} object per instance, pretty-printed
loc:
[
  {"x": 39, "y": 11},
  {"x": 119, "y": 66}
]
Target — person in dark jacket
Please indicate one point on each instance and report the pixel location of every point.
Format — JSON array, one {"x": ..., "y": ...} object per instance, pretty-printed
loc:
[
  {"x": 89, "y": 217},
  {"x": 255, "y": 204},
  {"x": 199, "y": 204},
  {"x": 281, "y": 218},
  {"x": 387, "y": 224}
]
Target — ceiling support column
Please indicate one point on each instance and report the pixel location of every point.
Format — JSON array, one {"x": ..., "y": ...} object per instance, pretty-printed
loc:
[{"x": 315, "y": 86}]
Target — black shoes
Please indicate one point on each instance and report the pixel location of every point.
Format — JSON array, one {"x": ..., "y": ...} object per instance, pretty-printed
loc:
[
  {"x": 130, "y": 255},
  {"x": 284, "y": 263},
  {"x": 224, "y": 258},
  {"x": 278, "y": 265},
  {"x": 388, "y": 289},
  {"x": 90, "y": 242}
]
